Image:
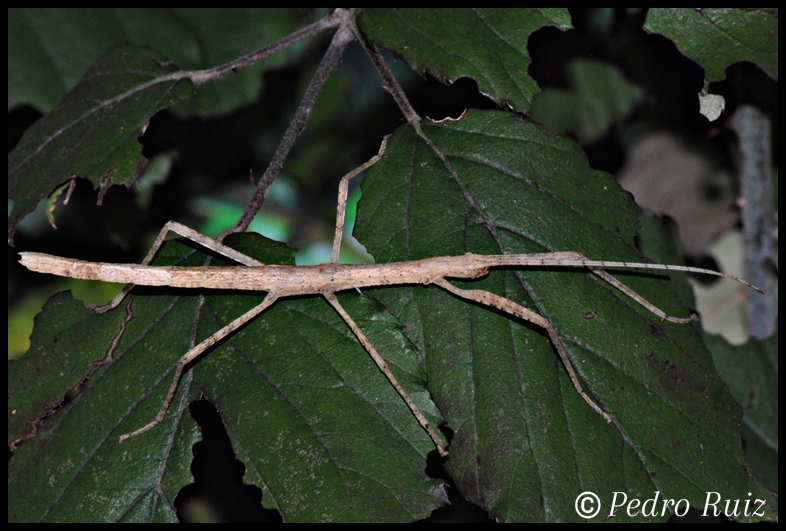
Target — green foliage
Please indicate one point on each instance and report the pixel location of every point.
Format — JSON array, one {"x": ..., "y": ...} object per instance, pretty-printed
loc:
[
  {"x": 49, "y": 50},
  {"x": 496, "y": 56},
  {"x": 716, "y": 38},
  {"x": 599, "y": 97},
  {"x": 751, "y": 371},
  {"x": 93, "y": 132},
  {"x": 317, "y": 426}
]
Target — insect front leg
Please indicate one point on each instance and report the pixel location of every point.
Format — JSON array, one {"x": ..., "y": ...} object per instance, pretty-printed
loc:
[{"x": 493, "y": 300}]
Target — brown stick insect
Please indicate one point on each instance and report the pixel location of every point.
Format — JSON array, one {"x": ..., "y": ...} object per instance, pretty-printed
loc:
[{"x": 327, "y": 279}]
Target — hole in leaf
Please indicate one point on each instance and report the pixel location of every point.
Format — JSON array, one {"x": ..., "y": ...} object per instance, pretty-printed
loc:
[{"x": 218, "y": 492}]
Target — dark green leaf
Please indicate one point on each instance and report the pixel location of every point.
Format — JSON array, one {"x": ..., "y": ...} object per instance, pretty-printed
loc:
[
  {"x": 505, "y": 187},
  {"x": 94, "y": 131},
  {"x": 751, "y": 371},
  {"x": 599, "y": 96},
  {"x": 717, "y": 38},
  {"x": 488, "y": 45},
  {"x": 50, "y": 49},
  {"x": 74, "y": 469}
]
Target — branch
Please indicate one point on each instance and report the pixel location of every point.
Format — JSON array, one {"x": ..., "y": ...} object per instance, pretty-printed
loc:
[
  {"x": 200, "y": 77},
  {"x": 390, "y": 83},
  {"x": 755, "y": 167},
  {"x": 342, "y": 37}
]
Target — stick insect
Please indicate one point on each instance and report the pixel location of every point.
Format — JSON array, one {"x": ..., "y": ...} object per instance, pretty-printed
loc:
[{"x": 327, "y": 279}]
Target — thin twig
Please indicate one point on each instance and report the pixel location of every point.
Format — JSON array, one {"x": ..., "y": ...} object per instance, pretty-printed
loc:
[
  {"x": 391, "y": 85},
  {"x": 203, "y": 76},
  {"x": 342, "y": 37}
]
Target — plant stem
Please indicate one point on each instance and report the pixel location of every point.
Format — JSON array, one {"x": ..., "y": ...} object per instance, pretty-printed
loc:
[
  {"x": 342, "y": 37},
  {"x": 200, "y": 77},
  {"x": 755, "y": 167},
  {"x": 391, "y": 85}
]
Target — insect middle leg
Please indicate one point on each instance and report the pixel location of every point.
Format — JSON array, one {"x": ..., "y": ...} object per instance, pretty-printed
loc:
[
  {"x": 383, "y": 367},
  {"x": 343, "y": 190},
  {"x": 341, "y": 210},
  {"x": 196, "y": 351}
]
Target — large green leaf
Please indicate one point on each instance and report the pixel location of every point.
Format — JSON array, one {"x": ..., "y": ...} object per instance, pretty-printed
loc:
[
  {"x": 525, "y": 444},
  {"x": 50, "y": 49},
  {"x": 488, "y": 45},
  {"x": 717, "y": 38},
  {"x": 94, "y": 131},
  {"x": 317, "y": 425},
  {"x": 72, "y": 470},
  {"x": 751, "y": 371},
  {"x": 599, "y": 96}
]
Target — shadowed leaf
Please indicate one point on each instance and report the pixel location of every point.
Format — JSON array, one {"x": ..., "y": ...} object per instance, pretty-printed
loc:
[
  {"x": 496, "y": 56},
  {"x": 717, "y": 38},
  {"x": 94, "y": 131}
]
